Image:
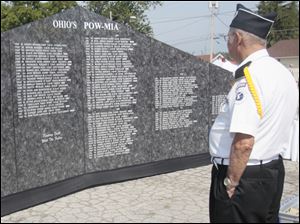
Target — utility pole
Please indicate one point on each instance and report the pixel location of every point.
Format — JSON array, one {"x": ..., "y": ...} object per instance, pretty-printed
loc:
[{"x": 213, "y": 6}]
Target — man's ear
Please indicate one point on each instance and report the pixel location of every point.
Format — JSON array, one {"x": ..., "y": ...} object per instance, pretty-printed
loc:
[{"x": 239, "y": 38}]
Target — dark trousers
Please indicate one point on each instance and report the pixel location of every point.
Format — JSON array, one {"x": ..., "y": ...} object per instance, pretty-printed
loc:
[{"x": 256, "y": 199}]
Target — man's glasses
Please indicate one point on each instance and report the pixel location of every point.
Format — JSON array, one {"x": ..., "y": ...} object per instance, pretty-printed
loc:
[{"x": 227, "y": 36}]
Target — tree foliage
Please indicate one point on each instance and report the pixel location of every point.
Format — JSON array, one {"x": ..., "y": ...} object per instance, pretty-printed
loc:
[
  {"x": 17, "y": 13},
  {"x": 286, "y": 25},
  {"x": 122, "y": 11}
]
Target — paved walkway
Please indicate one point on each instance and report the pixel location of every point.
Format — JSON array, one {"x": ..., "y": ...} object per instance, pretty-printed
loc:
[{"x": 179, "y": 197}]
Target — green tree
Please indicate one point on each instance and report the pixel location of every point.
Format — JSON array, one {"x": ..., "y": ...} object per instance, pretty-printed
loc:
[
  {"x": 122, "y": 11},
  {"x": 17, "y": 13},
  {"x": 286, "y": 25}
]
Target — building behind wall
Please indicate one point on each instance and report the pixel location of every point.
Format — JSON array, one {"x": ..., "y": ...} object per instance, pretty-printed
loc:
[{"x": 287, "y": 52}]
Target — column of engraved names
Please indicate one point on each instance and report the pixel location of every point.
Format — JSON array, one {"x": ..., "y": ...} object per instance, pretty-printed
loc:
[
  {"x": 174, "y": 97},
  {"x": 111, "y": 82},
  {"x": 41, "y": 78},
  {"x": 217, "y": 103}
]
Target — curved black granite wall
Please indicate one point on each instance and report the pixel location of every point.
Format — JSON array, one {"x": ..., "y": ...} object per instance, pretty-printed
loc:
[{"x": 87, "y": 101}]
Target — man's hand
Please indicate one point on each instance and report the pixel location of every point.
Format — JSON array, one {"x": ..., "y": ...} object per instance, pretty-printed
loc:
[{"x": 230, "y": 192}]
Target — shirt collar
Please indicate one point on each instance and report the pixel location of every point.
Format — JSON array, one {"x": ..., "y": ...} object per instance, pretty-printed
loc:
[{"x": 254, "y": 56}]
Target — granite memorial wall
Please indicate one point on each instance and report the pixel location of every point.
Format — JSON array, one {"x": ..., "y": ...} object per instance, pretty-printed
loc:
[{"x": 82, "y": 95}]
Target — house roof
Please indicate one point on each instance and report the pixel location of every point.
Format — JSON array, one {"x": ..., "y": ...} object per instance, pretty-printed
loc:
[
  {"x": 204, "y": 57},
  {"x": 285, "y": 48}
]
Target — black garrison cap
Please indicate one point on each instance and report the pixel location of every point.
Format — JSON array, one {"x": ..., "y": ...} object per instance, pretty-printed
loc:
[{"x": 253, "y": 23}]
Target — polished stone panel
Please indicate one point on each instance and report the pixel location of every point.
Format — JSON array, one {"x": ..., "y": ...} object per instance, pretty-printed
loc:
[
  {"x": 184, "y": 126},
  {"x": 81, "y": 93},
  {"x": 8, "y": 158},
  {"x": 122, "y": 127},
  {"x": 220, "y": 82},
  {"x": 46, "y": 69}
]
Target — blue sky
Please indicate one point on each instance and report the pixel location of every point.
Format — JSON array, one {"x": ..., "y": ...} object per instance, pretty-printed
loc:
[{"x": 186, "y": 24}]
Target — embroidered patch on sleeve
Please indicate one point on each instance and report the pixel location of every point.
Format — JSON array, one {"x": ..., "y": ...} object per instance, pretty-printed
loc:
[
  {"x": 240, "y": 92},
  {"x": 239, "y": 96}
]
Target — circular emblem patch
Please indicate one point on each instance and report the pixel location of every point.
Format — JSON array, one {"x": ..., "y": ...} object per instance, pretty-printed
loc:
[{"x": 239, "y": 96}]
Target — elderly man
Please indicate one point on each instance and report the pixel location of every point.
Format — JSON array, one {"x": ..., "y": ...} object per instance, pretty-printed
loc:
[{"x": 252, "y": 128}]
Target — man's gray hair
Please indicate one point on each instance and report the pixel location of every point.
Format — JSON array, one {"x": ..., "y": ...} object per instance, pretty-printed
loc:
[{"x": 250, "y": 38}]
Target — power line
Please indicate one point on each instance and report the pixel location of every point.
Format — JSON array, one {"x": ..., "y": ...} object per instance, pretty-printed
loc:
[
  {"x": 182, "y": 19},
  {"x": 190, "y": 42},
  {"x": 172, "y": 4},
  {"x": 185, "y": 39},
  {"x": 167, "y": 18},
  {"x": 186, "y": 25},
  {"x": 191, "y": 17},
  {"x": 221, "y": 21},
  {"x": 196, "y": 36},
  {"x": 191, "y": 38}
]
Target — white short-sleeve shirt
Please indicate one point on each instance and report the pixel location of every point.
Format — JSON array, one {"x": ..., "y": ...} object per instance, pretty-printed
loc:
[{"x": 278, "y": 94}]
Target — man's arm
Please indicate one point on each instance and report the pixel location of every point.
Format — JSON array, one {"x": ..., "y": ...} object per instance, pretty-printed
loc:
[{"x": 240, "y": 152}]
